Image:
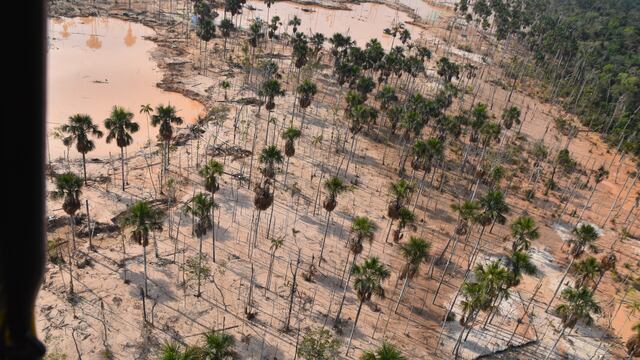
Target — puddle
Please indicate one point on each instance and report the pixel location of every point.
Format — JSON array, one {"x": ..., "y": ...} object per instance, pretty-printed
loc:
[
  {"x": 96, "y": 63},
  {"x": 363, "y": 22}
]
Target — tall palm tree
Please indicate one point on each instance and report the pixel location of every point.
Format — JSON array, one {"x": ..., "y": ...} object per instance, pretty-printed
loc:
[
  {"x": 362, "y": 229},
  {"x": 120, "y": 126},
  {"x": 407, "y": 217},
  {"x": 607, "y": 263},
  {"x": 334, "y": 186},
  {"x": 205, "y": 31},
  {"x": 510, "y": 115},
  {"x": 306, "y": 91},
  {"x": 475, "y": 300},
  {"x": 587, "y": 271},
  {"x": 147, "y": 109},
  {"x": 172, "y": 350},
  {"x": 270, "y": 157},
  {"x": 218, "y": 345},
  {"x": 633, "y": 343},
  {"x": 165, "y": 116},
  {"x": 295, "y": 22},
  {"x": 523, "y": 231},
  {"x": 414, "y": 252},
  {"x": 143, "y": 219},
  {"x": 276, "y": 243},
  {"x": 78, "y": 130},
  {"x": 269, "y": 90},
  {"x": 200, "y": 207},
  {"x": 520, "y": 263},
  {"x": 211, "y": 173},
  {"x": 367, "y": 282},
  {"x": 290, "y": 135},
  {"x": 494, "y": 207},
  {"x": 448, "y": 69},
  {"x": 584, "y": 237},
  {"x": 495, "y": 279},
  {"x": 386, "y": 351},
  {"x": 579, "y": 305},
  {"x": 400, "y": 191},
  {"x": 69, "y": 188},
  {"x": 226, "y": 28}
]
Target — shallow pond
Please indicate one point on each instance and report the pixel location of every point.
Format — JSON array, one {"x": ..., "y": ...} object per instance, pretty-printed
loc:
[
  {"x": 96, "y": 63},
  {"x": 363, "y": 22}
]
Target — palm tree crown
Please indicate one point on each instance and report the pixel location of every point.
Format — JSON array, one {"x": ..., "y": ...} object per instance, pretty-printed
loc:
[
  {"x": 579, "y": 305},
  {"x": 362, "y": 229},
  {"x": 210, "y": 173},
  {"x": 120, "y": 125},
  {"x": 270, "y": 156},
  {"x": 166, "y": 116},
  {"x": 386, "y": 351},
  {"x": 415, "y": 251},
  {"x": 334, "y": 186},
  {"x": 523, "y": 230},
  {"x": 368, "y": 278},
  {"x": 143, "y": 219},
  {"x": 78, "y": 130},
  {"x": 200, "y": 207},
  {"x": 68, "y": 188},
  {"x": 218, "y": 346},
  {"x": 585, "y": 235}
]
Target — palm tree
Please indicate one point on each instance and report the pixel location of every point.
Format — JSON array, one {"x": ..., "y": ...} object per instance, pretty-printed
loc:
[
  {"x": 510, "y": 115},
  {"x": 226, "y": 27},
  {"x": 633, "y": 344},
  {"x": 584, "y": 236},
  {"x": 276, "y": 243},
  {"x": 579, "y": 305},
  {"x": 200, "y": 207},
  {"x": 607, "y": 263},
  {"x": 172, "y": 350},
  {"x": 367, "y": 282},
  {"x": 475, "y": 300},
  {"x": 295, "y": 22},
  {"x": 269, "y": 157},
  {"x": 495, "y": 280},
  {"x": 166, "y": 116},
  {"x": 523, "y": 231},
  {"x": 206, "y": 31},
  {"x": 143, "y": 219},
  {"x": 120, "y": 125},
  {"x": 448, "y": 69},
  {"x": 494, "y": 207},
  {"x": 520, "y": 263},
  {"x": 362, "y": 228},
  {"x": 218, "y": 345},
  {"x": 291, "y": 134},
  {"x": 414, "y": 252},
  {"x": 407, "y": 217},
  {"x": 69, "y": 188},
  {"x": 147, "y": 109},
  {"x": 210, "y": 172},
  {"x": 333, "y": 186},
  {"x": 78, "y": 129},
  {"x": 269, "y": 90},
  {"x": 306, "y": 91},
  {"x": 386, "y": 351},
  {"x": 400, "y": 191},
  {"x": 587, "y": 271}
]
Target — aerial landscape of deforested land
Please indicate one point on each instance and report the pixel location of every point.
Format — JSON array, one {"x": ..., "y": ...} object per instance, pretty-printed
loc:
[{"x": 330, "y": 179}]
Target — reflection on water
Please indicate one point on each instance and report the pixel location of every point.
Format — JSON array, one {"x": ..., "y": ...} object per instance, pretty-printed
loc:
[
  {"x": 364, "y": 22},
  {"x": 129, "y": 39},
  {"x": 91, "y": 68}
]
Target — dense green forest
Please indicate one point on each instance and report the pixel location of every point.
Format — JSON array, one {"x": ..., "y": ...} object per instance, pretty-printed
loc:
[{"x": 586, "y": 52}]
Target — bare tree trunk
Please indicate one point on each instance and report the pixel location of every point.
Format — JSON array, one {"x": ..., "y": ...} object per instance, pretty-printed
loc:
[{"x": 355, "y": 322}]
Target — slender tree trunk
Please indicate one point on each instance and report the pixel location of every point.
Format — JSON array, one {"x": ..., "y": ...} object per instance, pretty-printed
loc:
[
  {"x": 553, "y": 348},
  {"x": 213, "y": 230},
  {"x": 199, "y": 266},
  {"x": 355, "y": 322},
  {"x": 404, "y": 285},
  {"x": 344, "y": 293},
  {"x": 84, "y": 167},
  {"x": 555, "y": 293},
  {"x": 144, "y": 258},
  {"x": 122, "y": 165},
  {"x": 324, "y": 237}
]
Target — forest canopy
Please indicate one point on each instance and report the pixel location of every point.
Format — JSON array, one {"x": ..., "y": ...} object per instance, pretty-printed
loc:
[{"x": 586, "y": 52}]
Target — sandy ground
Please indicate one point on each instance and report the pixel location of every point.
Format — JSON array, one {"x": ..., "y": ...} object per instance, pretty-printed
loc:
[{"x": 177, "y": 314}]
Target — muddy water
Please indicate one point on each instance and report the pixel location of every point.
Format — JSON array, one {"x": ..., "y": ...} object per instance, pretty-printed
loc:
[
  {"x": 95, "y": 63},
  {"x": 363, "y": 22}
]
